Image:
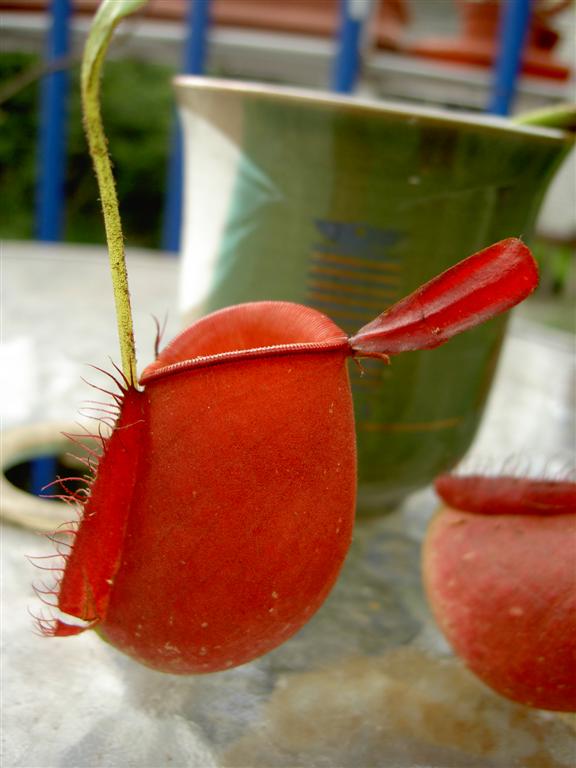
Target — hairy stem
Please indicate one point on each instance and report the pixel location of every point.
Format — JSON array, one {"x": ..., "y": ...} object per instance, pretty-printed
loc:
[{"x": 108, "y": 16}]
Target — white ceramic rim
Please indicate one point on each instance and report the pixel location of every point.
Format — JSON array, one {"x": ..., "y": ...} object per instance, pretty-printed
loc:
[
  {"x": 409, "y": 112},
  {"x": 23, "y": 443}
]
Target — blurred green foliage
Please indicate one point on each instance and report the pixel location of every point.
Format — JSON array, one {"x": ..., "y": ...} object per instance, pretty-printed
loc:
[
  {"x": 556, "y": 262},
  {"x": 18, "y": 127},
  {"x": 553, "y": 303},
  {"x": 137, "y": 106}
]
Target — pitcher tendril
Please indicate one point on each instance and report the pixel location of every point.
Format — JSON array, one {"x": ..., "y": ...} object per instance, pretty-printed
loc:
[{"x": 105, "y": 21}]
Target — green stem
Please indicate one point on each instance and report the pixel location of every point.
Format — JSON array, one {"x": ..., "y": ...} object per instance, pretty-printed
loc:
[
  {"x": 561, "y": 116},
  {"x": 107, "y": 18}
]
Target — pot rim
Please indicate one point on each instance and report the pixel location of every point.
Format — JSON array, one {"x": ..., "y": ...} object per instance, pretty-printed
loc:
[
  {"x": 413, "y": 114},
  {"x": 22, "y": 443}
]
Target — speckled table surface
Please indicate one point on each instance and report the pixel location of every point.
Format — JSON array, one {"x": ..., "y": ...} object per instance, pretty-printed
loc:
[{"x": 368, "y": 682}]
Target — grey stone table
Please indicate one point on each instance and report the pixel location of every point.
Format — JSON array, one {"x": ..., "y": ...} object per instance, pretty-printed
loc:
[{"x": 368, "y": 682}]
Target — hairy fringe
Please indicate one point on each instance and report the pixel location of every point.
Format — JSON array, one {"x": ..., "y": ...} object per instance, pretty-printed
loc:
[{"x": 107, "y": 413}]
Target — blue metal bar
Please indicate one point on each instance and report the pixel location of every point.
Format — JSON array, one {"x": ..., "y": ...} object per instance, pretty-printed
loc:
[
  {"x": 52, "y": 136},
  {"x": 514, "y": 24},
  {"x": 196, "y": 46},
  {"x": 353, "y": 16},
  {"x": 42, "y": 473},
  {"x": 51, "y": 169},
  {"x": 194, "y": 59}
]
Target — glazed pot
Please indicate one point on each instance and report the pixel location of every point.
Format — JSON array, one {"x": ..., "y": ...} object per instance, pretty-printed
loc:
[{"x": 347, "y": 205}]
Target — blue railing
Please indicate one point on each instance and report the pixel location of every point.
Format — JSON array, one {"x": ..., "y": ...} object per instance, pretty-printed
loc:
[
  {"x": 514, "y": 23},
  {"x": 52, "y": 134},
  {"x": 354, "y": 15},
  {"x": 194, "y": 63},
  {"x": 52, "y": 169}
]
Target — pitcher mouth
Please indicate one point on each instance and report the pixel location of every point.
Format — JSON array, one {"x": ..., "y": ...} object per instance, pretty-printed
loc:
[
  {"x": 507, "y": 494},
  {"x": 231, "y": 356}
]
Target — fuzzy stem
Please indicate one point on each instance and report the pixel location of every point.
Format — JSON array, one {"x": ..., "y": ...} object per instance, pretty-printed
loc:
[{"x": 108, "y": 16}]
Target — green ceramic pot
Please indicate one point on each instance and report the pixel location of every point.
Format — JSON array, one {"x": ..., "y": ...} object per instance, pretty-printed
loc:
[{"x": 347, "y": 206}]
